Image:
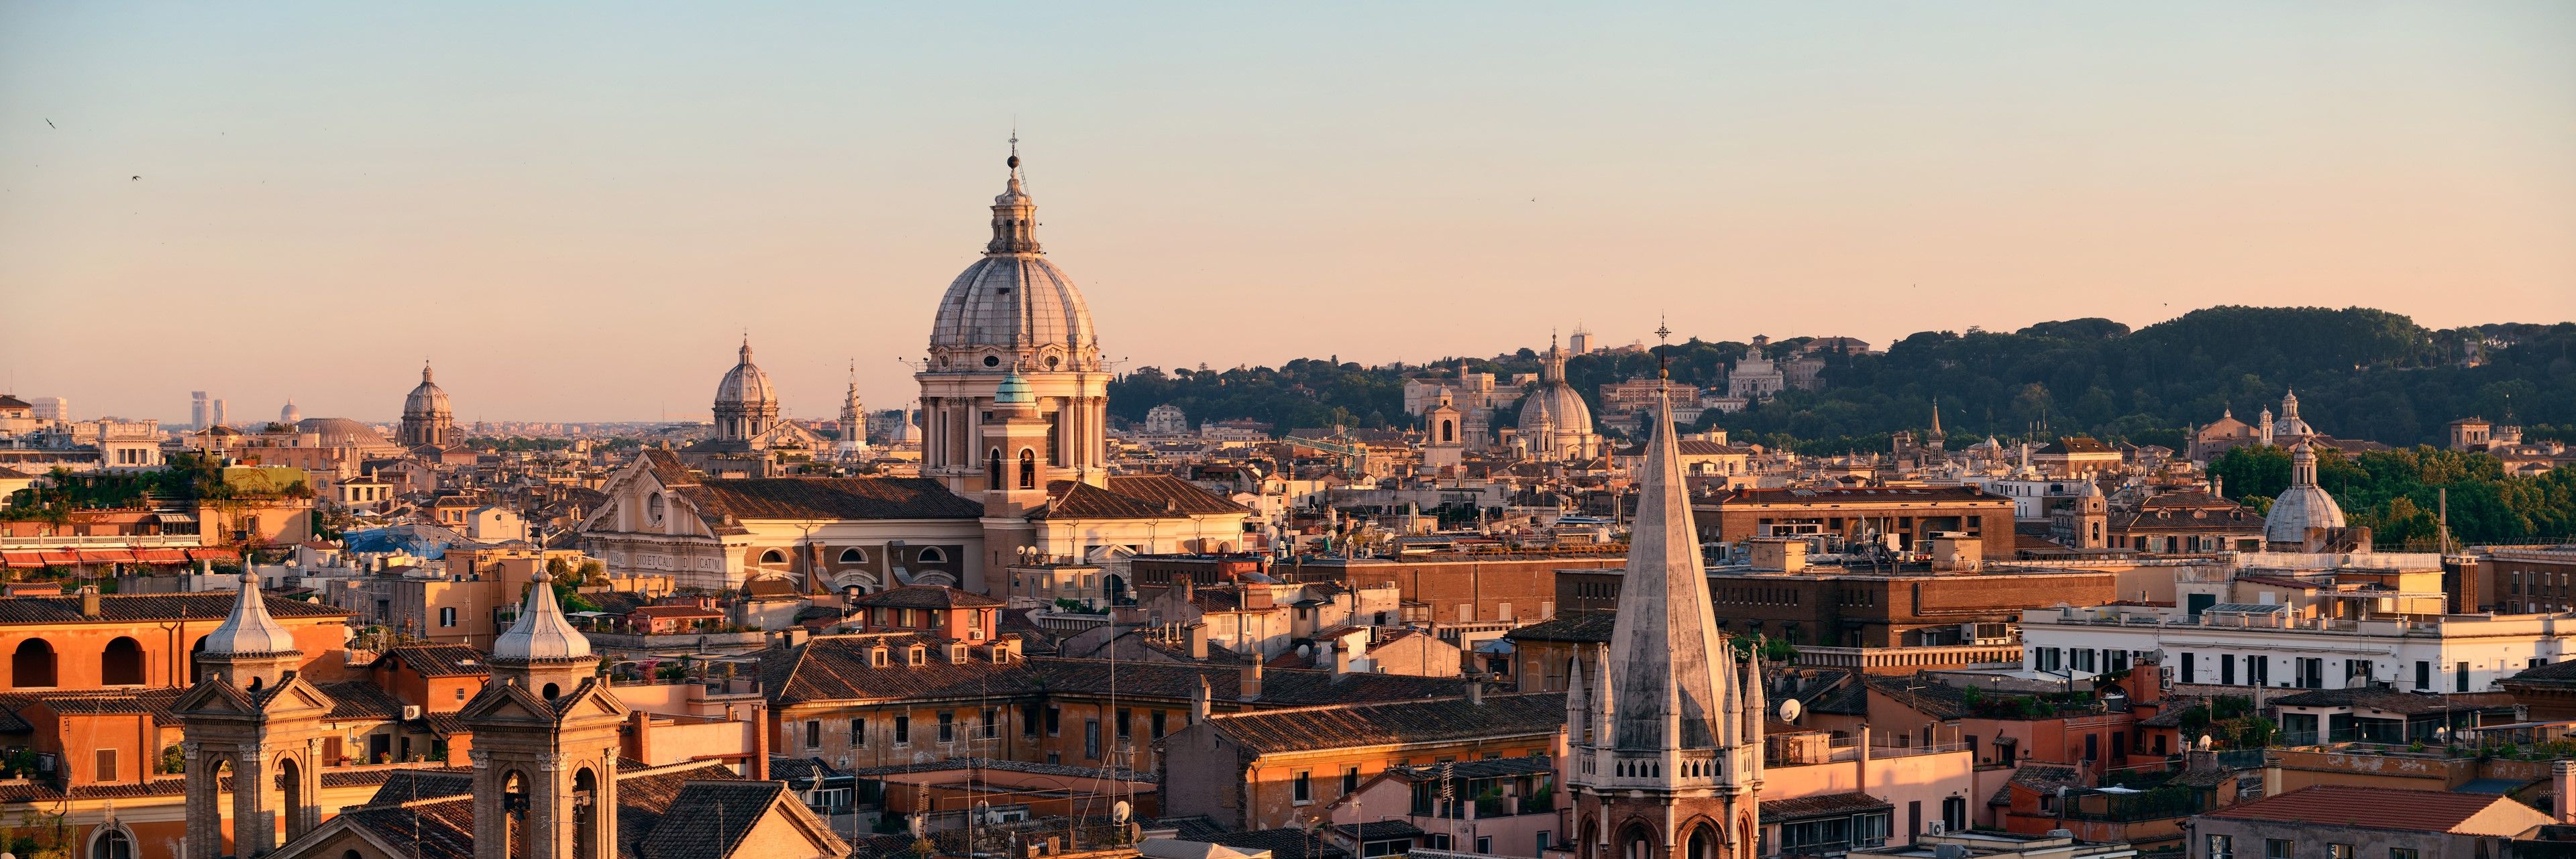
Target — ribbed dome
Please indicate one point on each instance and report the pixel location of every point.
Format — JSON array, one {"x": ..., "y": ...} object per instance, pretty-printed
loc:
[
  {"x": 249, "y": 630},
  {"x": 2302, "y": 506},
  {"x": 289, "y": 415},
  {"x": 1014, "y": 391},
  {"x": 1553, "y": 406},
  {"x": 541, "y": 632},
  {"x": 343, "y": 432},
  {"x": 1013, "y": 306},
  {"x": 745, "y": 384},
  {"x": 427, "y": 399}
]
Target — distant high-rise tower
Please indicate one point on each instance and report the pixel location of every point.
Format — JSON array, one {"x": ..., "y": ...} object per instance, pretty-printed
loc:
[
  {"x": 197, "y": 409},
  {"x": 51, "y": 408},
  {"x": 1581, "y": 341},
  {"x": 215, "y": 412}
]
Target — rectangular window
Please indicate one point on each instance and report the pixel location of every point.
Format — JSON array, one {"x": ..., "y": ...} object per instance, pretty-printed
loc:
[
  {"x": 2185, "y": 658},
  {"x": 1305, "y": 789},
  {"x": 813, "y": 734},
  {"x": 1055, "y": 721},
  {"x": 2423, "y": 676},
  {"x": 1542, "y": 842},
  {"x": 2226, "y": 670},
  {"x": 1126, "y": 724},
  {"x": 902, "y": 731},
  {"x": 1091, "y": 738},
  {"x": 992, "y": 722},
  {"x": 2402, "y": 853},
  {"x": 947, "y": 727},
  {"x": 859, "y": 733},
  {"x": 2222, "y": 847},
  {"x": 107, "y": 765},
  {"x": 1350, "y": 780},
  {"x": 2277, "y": 848},
  {"x": 2338, "y": 851},
  {"x": 1029, "y": 720},
  {"x": 2460, "y": 677},
  {"x": 447, "y": 617},
  {"x": 1158, "y": 721},
  {"x": 1485, "y": 844}
]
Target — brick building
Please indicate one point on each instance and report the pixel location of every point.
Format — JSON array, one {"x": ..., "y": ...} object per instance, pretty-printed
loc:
[
  {"x": 1460, "y": 588},
  {"x": 1913, "y": 513},
  {"x": 1894, "y": 610}
]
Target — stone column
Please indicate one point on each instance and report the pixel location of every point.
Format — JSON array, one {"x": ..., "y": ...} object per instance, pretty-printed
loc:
[
  {"x": 205, "y": 826},
  {"x": 254, "y": 832}
]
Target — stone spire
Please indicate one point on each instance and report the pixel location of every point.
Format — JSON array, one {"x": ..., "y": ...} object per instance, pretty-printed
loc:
[{"x": 1672, "y": 668}]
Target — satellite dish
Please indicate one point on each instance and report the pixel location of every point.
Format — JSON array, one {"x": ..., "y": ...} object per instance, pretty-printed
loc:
[
  {"x": 1790, "y": 710},
  {"x": 1121, "y": 812}
]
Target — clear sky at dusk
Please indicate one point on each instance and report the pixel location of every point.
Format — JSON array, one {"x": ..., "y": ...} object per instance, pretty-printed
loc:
[{"x": 575, "y": 210}]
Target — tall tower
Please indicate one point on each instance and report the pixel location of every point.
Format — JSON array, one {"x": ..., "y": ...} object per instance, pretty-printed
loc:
[
  {"x": 197, "y": 413},
  {"x": 1013, "y": 313},
  {"x": 746, "y": 404},
  {"x": 854, "y": 420},
  {"x": 1665, "y": 729},
  {"x": 2264, "y": 429},
  {"x": 250, "y": 716},
  {"x": 426, "y": 418},
  {"x": 545, "y": 742},
  {"x": 1933, "y": 438}
]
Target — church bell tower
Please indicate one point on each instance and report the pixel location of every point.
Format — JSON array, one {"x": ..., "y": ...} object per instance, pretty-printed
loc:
[
  {"x": 545, "y": 742},
  {"x": 251, "y": 717},
  {"x": 1665, "y": 729}
]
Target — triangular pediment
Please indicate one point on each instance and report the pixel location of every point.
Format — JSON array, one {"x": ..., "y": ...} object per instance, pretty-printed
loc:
[{"x": 213, "y": 696}]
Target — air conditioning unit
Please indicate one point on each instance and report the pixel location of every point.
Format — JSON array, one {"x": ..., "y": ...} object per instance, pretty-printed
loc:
[
  {"x": 842, "y": 762},
  {"x": 410, "y": 712},
  {"x": 1937, "y": 827}
]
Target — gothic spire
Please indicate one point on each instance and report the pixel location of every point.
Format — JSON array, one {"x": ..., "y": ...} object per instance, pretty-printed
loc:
[{"x": 1673, "y": 669}]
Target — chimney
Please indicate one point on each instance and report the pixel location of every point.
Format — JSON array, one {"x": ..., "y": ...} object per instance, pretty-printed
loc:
[
  {"x": 1198, "y": 641},
  {"x": 1476, "y": 690},
  {"x": 1199, "y": 701},
  {"x": 89, "y": 601},
  {"x": 2562, "y": 779},
  {"x": 1251, "y": 690},
  {"x": 640, "y": 725},
  {"x": 1341, "y": 658},
  {"x": 759, "y": 767}
]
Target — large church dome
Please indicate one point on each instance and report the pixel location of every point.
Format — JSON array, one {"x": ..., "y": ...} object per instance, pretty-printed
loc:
[
  {"x": 1013, "y": 308},
  {"x": 1554, "y": 406},
  {"x": 745, "y": 384},
  {"x": 426, "y": 399},
  {"x": 2304, "y": 505}
]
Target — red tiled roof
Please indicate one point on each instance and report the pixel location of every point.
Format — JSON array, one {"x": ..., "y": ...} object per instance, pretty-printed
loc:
[{"x": 2367, "y": 808}]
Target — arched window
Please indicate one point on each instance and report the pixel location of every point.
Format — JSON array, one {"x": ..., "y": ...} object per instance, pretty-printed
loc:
[
  {"x": 514, "y": 812},
  {"x": 585, "y": 814},
  {"x": 122, "y": 663},
  {"x": 654, "y": 506},
  {"x": 350, "y": 854},
  {"x": 993, "y": 468},
  {"x": 1699, "y": 846},
  {"x": 932, "y": 555},
  {"x": 32, "y": 667},
  {"x": 111, "y": 843},
  {"x": 1028, "y": 469},
  {"x": 290, "y": 783},
  {"x": 193, "y": 650},
  {"x": 773, "y": 556},
  {"x": 854, "y": 555},
  {"x": 1448, "y": 431}
]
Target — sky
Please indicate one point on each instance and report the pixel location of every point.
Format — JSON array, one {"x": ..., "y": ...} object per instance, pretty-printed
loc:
[{"x": 577, "y": 210}]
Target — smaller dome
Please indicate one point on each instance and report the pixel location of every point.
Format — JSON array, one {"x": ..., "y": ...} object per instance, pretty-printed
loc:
[
  {"x": 745, "y": 384},
  {"x": 541, "y": 632},
  {"x": 427, "y": 398},
  {"x": 249, "y": 630},
  {"x": 343, "y": 432},
  {"x": 289, "y": 415},
  {"x": 1014, "y": 391}
]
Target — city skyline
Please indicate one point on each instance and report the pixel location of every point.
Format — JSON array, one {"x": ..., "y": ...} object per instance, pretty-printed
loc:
[{"x": 578, "y": 218}]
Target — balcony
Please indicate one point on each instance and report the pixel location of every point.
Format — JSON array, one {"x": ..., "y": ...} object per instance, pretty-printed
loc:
[{"x": 1906, "y": 658}]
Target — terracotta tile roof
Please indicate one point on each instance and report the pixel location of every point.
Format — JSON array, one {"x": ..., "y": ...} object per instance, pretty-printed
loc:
[
  {"x": 1285, "y": 843},
  {"x": 643, "y": 798},
  {"x": 1891, "y": 495},
  {"x": 439, "y": 829},
  {"x": 829, "y": 498},
  {"x": 439, "y": 660},
  {"x": 1591, "y": 627},
  {"x": 1132, "y": 496},
  {"x": 2038, "y": 778},
  {"x": 210, "y": 605},
  {"x": 837, "y": 668},
  {"x": 1826, "y": 805},
  {"x": 2367, "y": 808},
  {"x": 360, "y": 701},
  {"x": 409, "y": 785},
  {"x": 1002, "y": 766},
  {"x": 1447, "y": 719},
  {"x": 926, "y": 596},
  {"x": 708, "y": 819}
]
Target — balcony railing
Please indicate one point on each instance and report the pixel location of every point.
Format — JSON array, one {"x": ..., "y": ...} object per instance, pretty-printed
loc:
[{"x": 1938, "y": 656}]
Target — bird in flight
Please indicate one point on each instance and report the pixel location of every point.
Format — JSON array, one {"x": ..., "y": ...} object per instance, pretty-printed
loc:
[{"x": 50, "y": 124}]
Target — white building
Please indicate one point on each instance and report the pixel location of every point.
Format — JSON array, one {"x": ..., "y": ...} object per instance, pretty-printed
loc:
[
  {"x": 1166, "y": 419},
  {"x": 2306, "y": 621}
]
